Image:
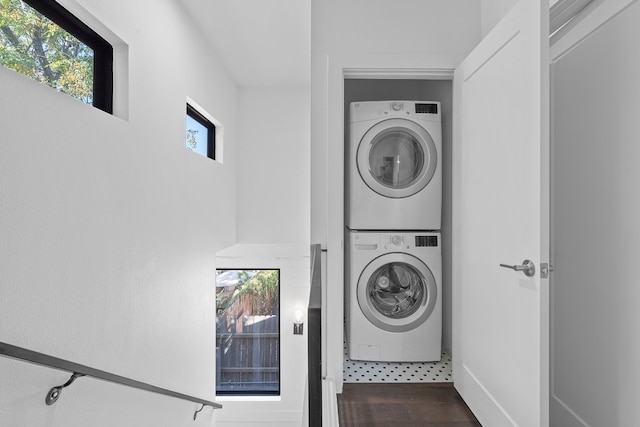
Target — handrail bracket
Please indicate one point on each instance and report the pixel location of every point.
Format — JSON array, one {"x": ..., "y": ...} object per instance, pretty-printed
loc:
[
  {"x": 54, "y": 393},
  {"x": 195, "y": 414}
]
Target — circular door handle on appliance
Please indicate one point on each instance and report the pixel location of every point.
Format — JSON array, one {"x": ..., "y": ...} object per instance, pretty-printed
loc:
[{"x": 527, "y": 267}]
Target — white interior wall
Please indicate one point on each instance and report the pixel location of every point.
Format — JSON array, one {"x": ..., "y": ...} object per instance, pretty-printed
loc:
[
  {"x": 411, "y": 33},
  {"x": 273, "y": 174},
  {"x": 110, "y": 228},
  {"x": 273, "y": 232},
  {"x": 492, "y": 11},
  {"x": 414, "y": 37},
  {"x": 595, "y": 317},
  {"x": 419, "y": 90}
]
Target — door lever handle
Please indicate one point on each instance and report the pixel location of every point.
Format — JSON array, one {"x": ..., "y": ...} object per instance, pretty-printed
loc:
[{"x": 527, "y": 267}]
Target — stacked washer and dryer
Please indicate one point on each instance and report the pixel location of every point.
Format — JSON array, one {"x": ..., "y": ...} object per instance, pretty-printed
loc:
[{"x": 393, "y": 296}]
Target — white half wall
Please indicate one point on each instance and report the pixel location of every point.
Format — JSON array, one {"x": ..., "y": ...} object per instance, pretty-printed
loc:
[
  {"x": 285, "y": 410},
  {"x": 110, "y": 229}
]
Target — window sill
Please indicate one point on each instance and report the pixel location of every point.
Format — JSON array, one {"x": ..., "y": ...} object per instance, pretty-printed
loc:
[{"x": 248, "y": 398}]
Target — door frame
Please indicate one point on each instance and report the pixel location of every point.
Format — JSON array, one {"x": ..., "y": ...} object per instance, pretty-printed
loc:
[
  {"x": 336, "y": 69},
  {"x": 586, "y": 22},
  {"x": 341, "y": 67}
]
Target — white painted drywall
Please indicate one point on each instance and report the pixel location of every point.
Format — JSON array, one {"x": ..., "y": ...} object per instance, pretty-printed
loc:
[
  {"x": 409, "y": 35},
  {"x": 286, "y": 410},
  {"x": 273, "y": 232},
  {"x": 263, "y": 43},
  {"x": 273, "y": 173},
  {"x": 110, "y": 228},
  {"x": 492, "y": 12},
  {"x": 420, "y": 90},
  {"x": 595, "y": 296}
]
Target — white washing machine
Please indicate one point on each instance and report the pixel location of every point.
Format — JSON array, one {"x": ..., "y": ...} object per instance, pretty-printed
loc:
[
  {"x": 393, "y": 296},
  {"x": 394, "y": 171}
]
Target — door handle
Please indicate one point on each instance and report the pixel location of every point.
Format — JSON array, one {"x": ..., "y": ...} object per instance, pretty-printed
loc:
[{"x": 527, "y": 267}]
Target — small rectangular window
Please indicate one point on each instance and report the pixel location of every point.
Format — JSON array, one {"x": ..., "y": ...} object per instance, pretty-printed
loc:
[
  {"x": 248, "y": 332},
  {"x": 201, "y": 134},
  {"x": 44, "y": 41}
]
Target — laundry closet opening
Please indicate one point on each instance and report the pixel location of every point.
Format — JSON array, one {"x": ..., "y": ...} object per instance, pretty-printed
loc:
[{"x": 421, "y": 235}]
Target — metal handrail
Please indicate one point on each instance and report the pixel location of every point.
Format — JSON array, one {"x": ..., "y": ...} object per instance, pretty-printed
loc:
[{"x": 79, "y": 370}]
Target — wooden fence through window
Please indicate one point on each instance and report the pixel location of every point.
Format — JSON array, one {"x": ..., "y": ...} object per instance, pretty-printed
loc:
[{"x": 248, "y": 361}]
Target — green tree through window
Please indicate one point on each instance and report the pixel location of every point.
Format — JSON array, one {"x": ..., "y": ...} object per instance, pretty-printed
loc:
[{"x": 35, "y": 46}]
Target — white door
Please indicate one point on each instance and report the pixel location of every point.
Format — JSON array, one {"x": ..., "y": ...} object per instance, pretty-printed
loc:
[{"x": 501, "y": 195}]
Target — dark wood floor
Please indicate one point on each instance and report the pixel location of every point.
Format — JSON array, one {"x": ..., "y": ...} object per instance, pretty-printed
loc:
[{"x": 403, "y": 405}]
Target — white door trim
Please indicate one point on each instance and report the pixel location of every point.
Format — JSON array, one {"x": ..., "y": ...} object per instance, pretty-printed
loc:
[
  {"x": 586, "y": 22},
  {"x": 340, "y": 67}
]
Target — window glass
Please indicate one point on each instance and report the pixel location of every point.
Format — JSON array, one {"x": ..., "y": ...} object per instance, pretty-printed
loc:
[
  {"x": 55, "y": 48},
  {"x": 197, "y": 137},
  {"x": 248, "y": 332},
  {"x": 200, "y": 133}
]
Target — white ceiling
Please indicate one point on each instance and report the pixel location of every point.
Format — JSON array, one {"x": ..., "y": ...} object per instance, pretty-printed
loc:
[{"x": 261, "y": 42}]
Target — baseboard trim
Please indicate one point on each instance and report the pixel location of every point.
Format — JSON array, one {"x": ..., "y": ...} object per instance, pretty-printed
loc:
[{"x": 329, "y": 404}]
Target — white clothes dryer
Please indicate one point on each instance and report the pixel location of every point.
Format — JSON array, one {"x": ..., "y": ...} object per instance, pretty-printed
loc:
[
  {"x": 393, "y": 296},
  {"x": 394, "y": 171}
]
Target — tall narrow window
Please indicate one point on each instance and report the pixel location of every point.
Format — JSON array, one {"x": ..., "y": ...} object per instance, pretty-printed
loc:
[
  {"x": 248, "y": 332},
  {"x": 44, "y": 41},
  {"x": 201, "y": 134}
]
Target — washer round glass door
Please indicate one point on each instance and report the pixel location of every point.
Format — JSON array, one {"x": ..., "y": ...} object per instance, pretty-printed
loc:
[
  {"x": 397, "y": 158},
  {"x": 397, "y": 292}
]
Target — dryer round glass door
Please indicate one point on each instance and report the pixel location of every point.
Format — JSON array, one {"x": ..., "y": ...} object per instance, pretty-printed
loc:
[
  {"x": 397, "y": 292},
  {"x": 397, "y": 158}
]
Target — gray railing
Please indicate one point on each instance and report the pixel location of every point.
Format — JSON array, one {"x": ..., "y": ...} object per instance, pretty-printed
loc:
[
  {"x": 314, "y": 320},
  {"x": 78, "y": 371}
]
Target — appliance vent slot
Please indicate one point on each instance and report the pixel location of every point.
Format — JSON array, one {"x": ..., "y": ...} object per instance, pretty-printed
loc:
[
  {"x": 426, "y": 108},
  {"x": 426, "y": 241}
]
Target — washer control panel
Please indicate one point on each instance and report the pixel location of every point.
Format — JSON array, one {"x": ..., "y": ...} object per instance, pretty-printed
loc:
[
  {"x": 375, "y": 110},
  {"x": 393, "y": 241}
]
